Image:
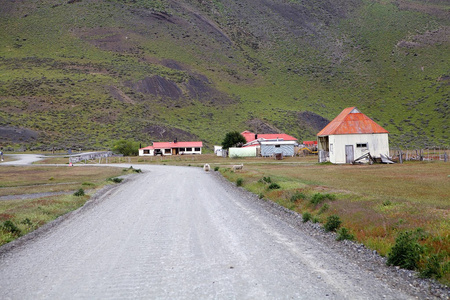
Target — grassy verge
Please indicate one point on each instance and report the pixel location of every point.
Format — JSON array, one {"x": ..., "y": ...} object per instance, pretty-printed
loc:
[
  {"x": 375, "y": 203},
  {"x": 21, "y": 216}
]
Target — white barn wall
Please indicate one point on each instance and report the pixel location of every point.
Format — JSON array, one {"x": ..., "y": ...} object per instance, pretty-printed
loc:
[{"x": 377, "y": 144}]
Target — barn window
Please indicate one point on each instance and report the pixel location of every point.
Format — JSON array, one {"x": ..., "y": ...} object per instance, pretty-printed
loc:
[
  {"x": 146, "y": 151},
  {"x": 362, "y": 145},
  {"x": 188, "y": 149},
  {"x": 277, "y": 146},
  {"x": 167, "y": 151},
  {"x": 197, "y": 149},
  {"x": 182, "y": 149}
]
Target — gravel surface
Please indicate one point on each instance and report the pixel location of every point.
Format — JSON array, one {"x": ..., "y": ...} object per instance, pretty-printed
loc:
[
  {"x": 182, "y": 233},
  {"x": 22, "y": 159}
]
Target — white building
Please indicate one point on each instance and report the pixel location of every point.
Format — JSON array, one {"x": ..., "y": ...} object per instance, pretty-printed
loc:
[
  {"x": 172, "y": 148},
  {"x": 351, "y": 135}
]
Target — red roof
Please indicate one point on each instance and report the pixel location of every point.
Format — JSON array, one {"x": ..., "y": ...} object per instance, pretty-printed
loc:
[
  {"x": 351, "y": 121},
  {"x": 250, "y": 136},
  {"x": 166, "y": 145}
]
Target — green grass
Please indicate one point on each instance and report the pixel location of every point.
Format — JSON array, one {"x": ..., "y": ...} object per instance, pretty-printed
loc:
[{"x": 55, "y": 70}]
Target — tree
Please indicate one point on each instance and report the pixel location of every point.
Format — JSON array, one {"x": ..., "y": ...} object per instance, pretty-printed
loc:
[
  {"x": 233, "y": 139},
  {"x": 127, "y": 148}
]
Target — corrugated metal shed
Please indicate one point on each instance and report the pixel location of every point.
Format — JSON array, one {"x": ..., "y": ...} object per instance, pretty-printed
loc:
[
  {"x": 351, "y": 121},
  {"x": 269, "y": 148}
]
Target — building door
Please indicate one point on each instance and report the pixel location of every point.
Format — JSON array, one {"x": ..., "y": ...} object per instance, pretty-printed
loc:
[{"x": 349, "y": 154}]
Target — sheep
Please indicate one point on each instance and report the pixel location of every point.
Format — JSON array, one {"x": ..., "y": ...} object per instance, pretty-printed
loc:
[
  {"x": 206, "y": 167},
  {"x": 238, "y": 167}
]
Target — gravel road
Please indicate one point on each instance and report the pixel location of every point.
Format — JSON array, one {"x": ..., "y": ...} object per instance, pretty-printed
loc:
[{"x": 182, "y": 233}]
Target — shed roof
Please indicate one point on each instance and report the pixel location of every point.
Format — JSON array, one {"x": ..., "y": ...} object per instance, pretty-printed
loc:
[
  {"x": 250, "y": 136},
  {"x": 351, "y": 121}
]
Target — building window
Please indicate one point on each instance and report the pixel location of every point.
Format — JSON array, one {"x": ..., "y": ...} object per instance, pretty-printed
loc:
[
  {"x": 167, "y": 151},
  {"x": 331, "y": 148},
  {"x": 277, "y": 146},
  {"x": 197, "y": 149},
  {"x": 362, "y": 145},
  {"x": 182, "y": 149},
  {"x": 188, "y": 149},
  {"x": 146, "y": 151}
]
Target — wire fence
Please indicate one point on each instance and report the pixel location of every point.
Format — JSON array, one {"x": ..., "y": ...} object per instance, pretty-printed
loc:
[{"x": 427, "y": 154}]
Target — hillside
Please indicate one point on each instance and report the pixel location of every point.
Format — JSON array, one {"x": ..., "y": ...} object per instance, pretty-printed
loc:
[{"x": 82, "y": 73}]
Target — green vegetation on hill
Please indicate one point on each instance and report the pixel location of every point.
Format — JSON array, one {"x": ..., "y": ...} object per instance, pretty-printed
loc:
[{"x": 85, "y": 73}]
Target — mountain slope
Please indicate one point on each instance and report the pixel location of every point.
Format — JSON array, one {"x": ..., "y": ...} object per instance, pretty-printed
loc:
[{"x": 83, "y": 73}]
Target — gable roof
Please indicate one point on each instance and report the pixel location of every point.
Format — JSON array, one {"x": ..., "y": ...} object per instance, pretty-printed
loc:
[
  {"x": 166, "y": 145},
  {"x": 250, "y": 136},
  {"x": 351, "y": 121}
]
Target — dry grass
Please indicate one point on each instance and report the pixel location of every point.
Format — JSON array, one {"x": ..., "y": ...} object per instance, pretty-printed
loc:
[
  {"x": 375, "y": 202},
  {"x": 32, "y": 179},
  {"x": 23, "y": 216}
]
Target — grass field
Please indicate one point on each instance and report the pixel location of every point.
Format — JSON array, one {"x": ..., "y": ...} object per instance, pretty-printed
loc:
[
  {"x": 21, "y": 216},
  {"x": 374, "y": 202}
]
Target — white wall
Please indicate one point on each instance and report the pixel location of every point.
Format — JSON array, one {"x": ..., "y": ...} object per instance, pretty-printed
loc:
[
  {"x": 242, "y": 152},
  {"x": 141, "y": 152},
  {"x": 376, "y": 144}
]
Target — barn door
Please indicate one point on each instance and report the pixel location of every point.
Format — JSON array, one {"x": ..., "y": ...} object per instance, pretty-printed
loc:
[{"x": 349, "y": 154}]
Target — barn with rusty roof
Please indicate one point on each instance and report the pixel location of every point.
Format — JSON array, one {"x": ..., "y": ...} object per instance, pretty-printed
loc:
[{"x": 350, "y": 136}]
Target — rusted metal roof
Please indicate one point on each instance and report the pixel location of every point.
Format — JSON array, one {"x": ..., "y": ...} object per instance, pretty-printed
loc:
[
  {"x": 351, "y": 121},
  {"x": 250, "y": 136}
]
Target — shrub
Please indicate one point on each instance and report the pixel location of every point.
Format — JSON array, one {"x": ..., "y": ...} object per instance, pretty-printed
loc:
[
  {"x": 261, "y": 195},
  {"x": 318, "y": 198},
  {"x": 315, "y": 219},
  {"x": 239, "y": 181},
  {"x": 267, "y": 179},
  {"x": 333, "y": 223},
  {"x": 306, "y": 216},
  {"x": 387, "y": 203},
  {"x": 126, "y": 147},
  {"x": 27, "y": 222},
  {"x": 324, "y": 208},
  {"x": 406, "y": 252},
  {"x": 115, "y": 179},
  {"x": 433, "y": 267},
  {"x": 9, "y": 226},
  {"x": 344, "y": 234},
  {"x": 297, "y": 196},
  {"x": 274, "y": 186},
  {"x": 216, "y": 169},
  {"x": 79, "y": 193}
]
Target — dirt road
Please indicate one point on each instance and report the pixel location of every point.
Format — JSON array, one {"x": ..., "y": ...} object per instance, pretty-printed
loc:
[{"x": 182, "y": 233}]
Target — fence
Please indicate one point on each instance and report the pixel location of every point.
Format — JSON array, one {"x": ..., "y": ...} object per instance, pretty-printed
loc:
[
  {"x": 428, "y": 154},
  {"x": 90, "y": 156}
]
